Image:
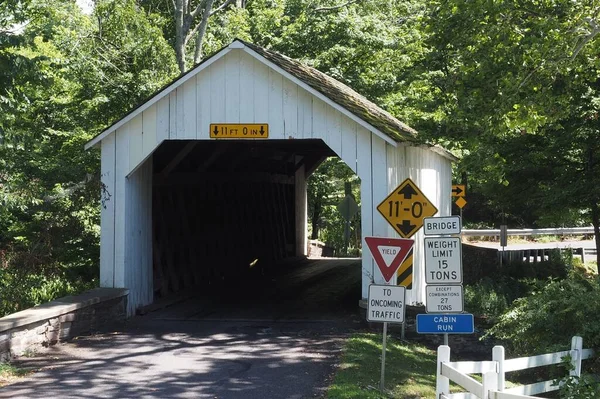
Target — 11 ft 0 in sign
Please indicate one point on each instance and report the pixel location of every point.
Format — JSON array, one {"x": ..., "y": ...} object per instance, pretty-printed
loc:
[{"x": 405, "y": 208}]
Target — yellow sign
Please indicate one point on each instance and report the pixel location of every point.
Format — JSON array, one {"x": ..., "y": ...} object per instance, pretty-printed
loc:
[
  {"x": 405, "y": 272},
  {"x": 461, "y": 202},
  {"x": 239, "y": 131},
  {"x": 458, "y": 190},
  {"x": 405, "y": 208}
]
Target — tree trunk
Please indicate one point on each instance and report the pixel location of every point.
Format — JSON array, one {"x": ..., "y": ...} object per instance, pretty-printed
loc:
[
  {"x": 314, "y": 220},
  {"x": 180, "y": 34},
  {"x": 596, "y": 223},
  {"x": 202, "y": 31}
]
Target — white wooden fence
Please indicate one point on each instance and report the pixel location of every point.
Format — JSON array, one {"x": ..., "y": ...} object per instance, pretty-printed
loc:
[{"x": 494, "y": 372}]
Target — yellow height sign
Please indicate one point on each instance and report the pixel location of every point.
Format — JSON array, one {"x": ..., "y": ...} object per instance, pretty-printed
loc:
[
  {"x": 405, "y": 208},
  {"x": 239, "y": 131}
]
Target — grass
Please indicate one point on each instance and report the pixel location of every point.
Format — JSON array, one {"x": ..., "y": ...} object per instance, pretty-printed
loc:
[
  {"x": 409, "y": 372},
  {"x": 10, "y": 373}
]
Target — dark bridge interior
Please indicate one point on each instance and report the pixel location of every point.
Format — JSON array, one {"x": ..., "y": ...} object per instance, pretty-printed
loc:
[{"x": 226, "y": 209}]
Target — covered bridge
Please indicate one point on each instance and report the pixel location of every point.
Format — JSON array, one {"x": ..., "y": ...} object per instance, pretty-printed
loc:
[{"x": 182, "y": 205}]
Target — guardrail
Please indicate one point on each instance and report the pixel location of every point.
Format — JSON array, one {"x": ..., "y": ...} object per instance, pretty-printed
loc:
[
  {"x": 493, "y": 372},
  {"x": 528, "y": 232}
]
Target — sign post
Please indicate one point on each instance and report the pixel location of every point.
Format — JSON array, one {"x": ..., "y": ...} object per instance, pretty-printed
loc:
[
  {"x": 386, "y": 303},
  {"x": 443, "y": 275}
]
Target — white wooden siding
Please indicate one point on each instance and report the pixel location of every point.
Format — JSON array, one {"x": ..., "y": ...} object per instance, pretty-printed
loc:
[
  {"x": 138, "y": 238},
  {"x": 238, "y": 88},
  {"x": 107, "y": 212}
]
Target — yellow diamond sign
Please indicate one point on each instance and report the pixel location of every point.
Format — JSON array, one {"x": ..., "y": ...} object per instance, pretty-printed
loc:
[
  {"x": 460, "y": 202},
  {"x": 405, "y": 208}
]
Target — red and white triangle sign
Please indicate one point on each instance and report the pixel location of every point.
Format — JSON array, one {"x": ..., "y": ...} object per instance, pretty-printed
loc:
[{"x": 389, "y": 253}]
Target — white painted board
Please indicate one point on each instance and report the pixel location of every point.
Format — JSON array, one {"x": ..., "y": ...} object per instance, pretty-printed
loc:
[
  {"x": 443, "y": 260},
  {"x": 444, "y": 299},
  {"x": 386, "y": 303}
]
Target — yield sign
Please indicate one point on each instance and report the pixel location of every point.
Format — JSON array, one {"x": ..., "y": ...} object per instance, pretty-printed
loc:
[{"x": 389, "y": 253}]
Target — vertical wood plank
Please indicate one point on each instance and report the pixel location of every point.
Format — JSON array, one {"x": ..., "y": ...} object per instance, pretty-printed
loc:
[
  {"x": 122, "y": 163},
  {"x": 290, "y": 109},
  {"x": 319, "y": 113},
  {"x": 189, "y": 110},
  {"x": 348, "y": 150},
  {"x": 163, "y": 120},
  {"x": 173, "y": 115},
  {"x": 304, "y": 113},
  {"x": 217, "y": 92},
  {"x": 380, "y": 190},
  {"x": 363, "y": 166},
  {"x": 107, "y": 212},
  {"x": 275, "y": 105},
  {"x": 334, "y": 129},
  {"x": 135, "y": 143},
  {"x": 232, "y": 87},
  {"x": 179, "y": 114},
  {"x": 149, "y": 129},
  {"x": 300, "y": 208},
  {"x": 203, "y": 100},
  {"x": 261, "y": 92},
  {"x": 247, "y": 97}
]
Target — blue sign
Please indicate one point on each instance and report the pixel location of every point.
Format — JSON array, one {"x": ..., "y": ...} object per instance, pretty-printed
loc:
[{"x": 445, "y": 324}]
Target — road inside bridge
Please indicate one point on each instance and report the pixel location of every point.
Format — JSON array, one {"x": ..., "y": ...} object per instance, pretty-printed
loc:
[{"x": 276, "y": 337}]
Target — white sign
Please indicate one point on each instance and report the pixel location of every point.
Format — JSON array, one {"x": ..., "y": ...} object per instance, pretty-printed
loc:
[
  {"x": 444, "y": 298},
  {"x": 442, "y": 225},
  {"x": 443, "y": 260},
  {"x": 386, "y": 303}
]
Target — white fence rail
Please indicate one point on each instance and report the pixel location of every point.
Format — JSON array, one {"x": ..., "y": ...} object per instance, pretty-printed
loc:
[
  {"x": 529, "y": 232},
  {"x": 493, "y": 384}
]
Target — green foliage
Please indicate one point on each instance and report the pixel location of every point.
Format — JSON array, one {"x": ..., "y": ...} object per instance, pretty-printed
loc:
[
  {"x": 325, "y": 192},
  {"x": 63, "y": 77},
  {"x": 491, "y": 297},
  {"x": 551, "y": 315},
  {"x": 585, "y": 387}
]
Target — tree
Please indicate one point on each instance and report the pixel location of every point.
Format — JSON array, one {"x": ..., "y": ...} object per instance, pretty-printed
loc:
[
  {"x": 519, "y": 96},
  {"x": 69, "y": 76}
]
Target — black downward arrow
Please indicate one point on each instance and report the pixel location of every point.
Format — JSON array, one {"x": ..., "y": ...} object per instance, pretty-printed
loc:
[
  {"x": 216, "y": 130},
  {"x": 456, "y": 191},
  {"x": 262, "y": 130},
  {"x": 406, "y": 228},
  {"x": 408, "y": 191}
]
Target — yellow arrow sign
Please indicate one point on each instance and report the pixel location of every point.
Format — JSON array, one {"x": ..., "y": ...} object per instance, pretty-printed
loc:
[
  {"x": 405, "y": 208},
  {"x": 459, "y": 190},
  {"x": 239, "y": 131}
]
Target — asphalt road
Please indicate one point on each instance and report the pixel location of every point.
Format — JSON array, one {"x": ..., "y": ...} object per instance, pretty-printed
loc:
[{"x": 278, "y": 337}]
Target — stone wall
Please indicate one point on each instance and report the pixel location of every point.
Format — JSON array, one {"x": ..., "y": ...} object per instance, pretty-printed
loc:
[{"x": 61, "y": 320}]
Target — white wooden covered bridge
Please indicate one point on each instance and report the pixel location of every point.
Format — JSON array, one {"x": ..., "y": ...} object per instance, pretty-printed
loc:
[{"x": 181, "y": 208}]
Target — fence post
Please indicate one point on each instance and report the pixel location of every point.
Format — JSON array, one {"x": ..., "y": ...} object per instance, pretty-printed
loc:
[
  {"x": 576, "y": 352},
  {"x": 490, "y": 383},
  {"x": 498, "y": 356},
  {"x": 442, "y": 385}
]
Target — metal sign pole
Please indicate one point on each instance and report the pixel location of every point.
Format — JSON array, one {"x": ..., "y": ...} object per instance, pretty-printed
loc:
[
  {"x": 446, "y": 339},
  {"x": 381, "y": 383}
]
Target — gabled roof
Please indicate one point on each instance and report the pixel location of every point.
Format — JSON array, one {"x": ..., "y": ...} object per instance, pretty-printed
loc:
[
  {"x": 340, "y": 94},
  {"x": 333, "y": 92}
]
